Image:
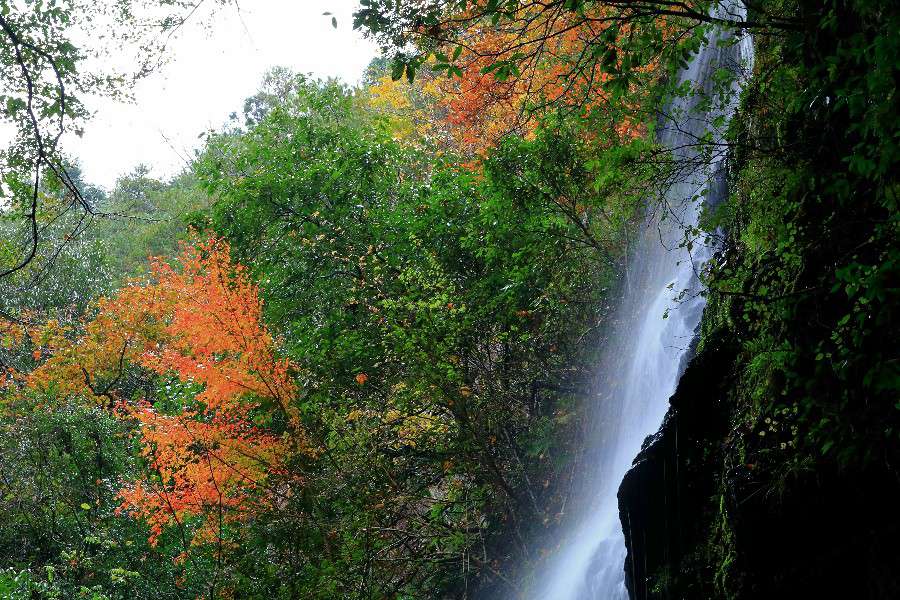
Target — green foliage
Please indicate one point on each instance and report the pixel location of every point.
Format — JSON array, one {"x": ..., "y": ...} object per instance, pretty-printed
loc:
[
  {"x": 444, "y": 322},
  {"x": 61, "y": 536},
  {"x": 815, "y": 220},
  {"x": 146, "y": 217},
  {"x": 91, "y": 257},
  {"x": 73, "y": 272}
]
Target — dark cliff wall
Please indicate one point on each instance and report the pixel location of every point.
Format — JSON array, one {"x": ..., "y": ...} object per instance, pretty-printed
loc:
[
  {"x": 701, "y": 523},
  {"x": 664, "y": 497},
  {"x": 775, "y": 474}
]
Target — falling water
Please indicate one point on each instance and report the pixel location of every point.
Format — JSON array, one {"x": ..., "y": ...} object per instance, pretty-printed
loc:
[{"x": 645, "y": 353}]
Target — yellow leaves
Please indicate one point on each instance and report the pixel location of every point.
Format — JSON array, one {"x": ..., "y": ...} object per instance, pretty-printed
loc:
[
  {"x": 404, "y": 107},
  {"x": 387, "y": 94},
  {"x": 413, "y": 112},
  {"x": 412, "y": 428}
]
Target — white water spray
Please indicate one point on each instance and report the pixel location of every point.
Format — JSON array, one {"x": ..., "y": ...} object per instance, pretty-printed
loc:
[{"x": 644, "y": 356}]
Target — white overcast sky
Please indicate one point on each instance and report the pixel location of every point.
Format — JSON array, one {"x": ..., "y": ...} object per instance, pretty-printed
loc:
[{"x": 210, "y": 72}]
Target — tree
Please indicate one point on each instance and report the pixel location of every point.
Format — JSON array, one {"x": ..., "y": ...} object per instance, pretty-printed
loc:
[
  {"x": 154, "y": 216},
  {"x": 512, "y": 61},
  {"x": 61, "y": 470},
  {"x": 211, "y": 453},
  {"x": 44, "y": 75}
]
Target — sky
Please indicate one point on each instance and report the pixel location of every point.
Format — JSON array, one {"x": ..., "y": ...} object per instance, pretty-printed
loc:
[{"x": 209, "y": 73}]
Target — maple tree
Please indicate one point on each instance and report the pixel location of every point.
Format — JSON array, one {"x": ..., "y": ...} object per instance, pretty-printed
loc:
[
  {"x": 213, "y": 454},
  {"x": 490, "y": 97},
  {"x": 510, "y": 62}
]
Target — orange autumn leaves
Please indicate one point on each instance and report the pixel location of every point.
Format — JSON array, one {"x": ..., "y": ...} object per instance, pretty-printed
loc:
[
  {"x": 508, "y": 73},
  {"x": 540, "y": 59},
  {"x": 484, "y": 106},
  {"x": 214, "y": 455},
  {"x": 215, "y": 335}
]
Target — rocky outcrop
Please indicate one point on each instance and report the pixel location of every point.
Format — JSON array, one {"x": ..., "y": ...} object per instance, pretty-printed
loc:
[
  {"x": 701, "y": 523},
  {"x": 664, "y": 495}
]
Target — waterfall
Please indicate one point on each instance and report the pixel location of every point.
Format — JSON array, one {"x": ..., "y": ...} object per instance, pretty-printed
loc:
[{"x": 656, "y": 325}]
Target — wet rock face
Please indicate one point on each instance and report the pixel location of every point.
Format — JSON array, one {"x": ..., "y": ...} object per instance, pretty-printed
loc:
[
  {"x": 827, "y": 533},
  {"x": 663, "y": 497}
]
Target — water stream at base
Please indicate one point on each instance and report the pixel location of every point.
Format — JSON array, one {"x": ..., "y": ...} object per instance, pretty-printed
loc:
[{"x": 646, "y": 352}]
